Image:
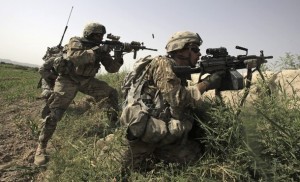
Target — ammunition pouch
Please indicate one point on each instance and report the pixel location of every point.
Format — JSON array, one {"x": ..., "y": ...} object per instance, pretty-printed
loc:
[
  {"x": 232, "y": 80},
  {"x": 62, "y": 66}
]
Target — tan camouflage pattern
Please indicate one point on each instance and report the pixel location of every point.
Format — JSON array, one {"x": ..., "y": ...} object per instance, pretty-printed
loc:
[
  {"x": 87, "y": 62},
  {"x": 171, "y": 143},
  {"x": 47, "y": 89},
  {"x": 66, "y": 86},
  {"x": 179, "y": 39},
  {"x": 93, "y": 28},
  {"x": 178, "y": 96}
]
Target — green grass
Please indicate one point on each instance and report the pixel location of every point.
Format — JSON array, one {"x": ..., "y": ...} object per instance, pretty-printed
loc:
[
  {"x": 262, "y": 144},
  {"x": 17, "y": 82}
]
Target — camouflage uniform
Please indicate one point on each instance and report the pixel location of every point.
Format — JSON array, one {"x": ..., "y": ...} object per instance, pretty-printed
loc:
[
  {"x": 76, "y": 73},
  {"x": 47, "y": 71},
  {"x": 160, "y": 106},
  {"x": 48, "y": 76},
  {"x": 179, "y": 100}
]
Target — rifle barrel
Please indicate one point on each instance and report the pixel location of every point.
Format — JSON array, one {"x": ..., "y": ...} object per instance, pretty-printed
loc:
[{"x": 150, "y": 49}]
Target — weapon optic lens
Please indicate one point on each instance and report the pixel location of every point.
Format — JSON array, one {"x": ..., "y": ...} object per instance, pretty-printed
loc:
[{"x": 222, "y": 51}]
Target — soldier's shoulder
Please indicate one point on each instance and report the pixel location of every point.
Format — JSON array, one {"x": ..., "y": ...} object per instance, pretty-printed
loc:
[
  {"x": 75, "y": 42},
  {"x": 75, "y": 38},
  {"x": 161, "y": 60}
]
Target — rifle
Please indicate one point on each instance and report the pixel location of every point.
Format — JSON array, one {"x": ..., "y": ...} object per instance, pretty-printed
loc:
[
  {"x": 134, "y": 46},
  {"x": 217, "y": 59},
  {"x": 56, "y": 49}
]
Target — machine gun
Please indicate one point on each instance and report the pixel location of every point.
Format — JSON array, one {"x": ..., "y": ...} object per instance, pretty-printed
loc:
[
  {"x": 217, "y": 59},
  {"x": 134, "y": 46}
]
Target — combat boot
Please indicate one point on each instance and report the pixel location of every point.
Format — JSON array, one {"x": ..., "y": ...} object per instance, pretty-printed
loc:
[{"x": 40, "y": 156}]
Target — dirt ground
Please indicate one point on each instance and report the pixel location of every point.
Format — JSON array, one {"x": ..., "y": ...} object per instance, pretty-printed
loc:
[
  {"x": 17, "y": 142},
  {"x": 18, "y": 139}
]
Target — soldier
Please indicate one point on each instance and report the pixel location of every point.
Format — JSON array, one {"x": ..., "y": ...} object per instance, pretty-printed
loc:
[
  {"x": 158, "y": 114},
  {"x": 77, "y": 72},
  {"x": 47, "y": 72},
  {"x": 48, "y": 75}
]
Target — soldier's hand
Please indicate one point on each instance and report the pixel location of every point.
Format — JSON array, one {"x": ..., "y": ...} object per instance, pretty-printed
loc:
[
  {"x": 212, "y": 81},
  {"x": 102, "y": 48},
  {"x": 118, "y": 56},
  {"x": 127, "y": 47}
]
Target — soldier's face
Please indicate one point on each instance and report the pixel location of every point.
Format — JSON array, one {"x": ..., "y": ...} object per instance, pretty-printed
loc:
[
  {"x": 192, "y": 54},
  {"x": 97, "y": 37},
  {"x": 195, "y": 54}
]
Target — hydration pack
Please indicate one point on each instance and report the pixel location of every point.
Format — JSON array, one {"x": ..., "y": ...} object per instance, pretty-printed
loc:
[{"x": 135, "y": 77}]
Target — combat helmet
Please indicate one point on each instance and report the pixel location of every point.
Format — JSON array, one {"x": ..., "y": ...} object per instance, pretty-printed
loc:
[
  {"x": 179, "y": 39},
  {"x": 93, "y": 28}
]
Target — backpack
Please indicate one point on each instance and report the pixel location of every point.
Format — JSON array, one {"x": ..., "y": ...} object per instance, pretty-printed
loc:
[
  {"x": 135, "y": 77},
  {"x": 53, "y": 52},
  {"x": 150, "y": 123}
]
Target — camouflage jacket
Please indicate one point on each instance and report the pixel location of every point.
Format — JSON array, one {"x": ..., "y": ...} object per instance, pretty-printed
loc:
[
  {"x": 86, "y": 62},
  {"x": 179, "y": 97},
  {"x": 46, "y": 70}
]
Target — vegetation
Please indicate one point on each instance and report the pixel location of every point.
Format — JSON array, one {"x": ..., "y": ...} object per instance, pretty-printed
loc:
[
  {"x": 261, "y": 144},
  {"x": 288, "y": 61}
]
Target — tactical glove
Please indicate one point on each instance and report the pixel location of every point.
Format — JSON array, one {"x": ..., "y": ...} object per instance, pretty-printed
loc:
[
  {"x": 127, "y": 47},
  {"x": 118, "y": 56},
  {"x": 212, "y": 81},
  {"x": 102, "y": 48}
]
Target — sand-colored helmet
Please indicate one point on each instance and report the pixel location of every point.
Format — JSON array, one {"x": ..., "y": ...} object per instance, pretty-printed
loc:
[
  {"x": 179, "y": 39},
  {"x": 93, "y": 28}
]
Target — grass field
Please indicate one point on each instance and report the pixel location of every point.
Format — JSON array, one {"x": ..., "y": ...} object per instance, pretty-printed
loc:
[{"x": 262, "y": 144}]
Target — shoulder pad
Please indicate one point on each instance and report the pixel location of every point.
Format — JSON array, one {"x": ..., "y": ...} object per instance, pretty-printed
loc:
[{"x": 75, "y": 43}]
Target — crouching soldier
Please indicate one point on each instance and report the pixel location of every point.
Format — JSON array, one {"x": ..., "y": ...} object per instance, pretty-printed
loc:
[{"x": 158, "y": 113}]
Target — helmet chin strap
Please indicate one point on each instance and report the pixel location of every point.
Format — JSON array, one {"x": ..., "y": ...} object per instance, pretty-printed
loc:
[{"x": 188, "y": 59}]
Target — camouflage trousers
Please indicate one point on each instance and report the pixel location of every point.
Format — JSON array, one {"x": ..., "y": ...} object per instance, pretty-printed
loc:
[
  {"x": 65, "y": 90},
  {"x": 141, "y": 156}
]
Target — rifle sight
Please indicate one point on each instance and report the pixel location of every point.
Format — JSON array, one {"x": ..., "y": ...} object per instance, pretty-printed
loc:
[
  {"x": 217, "y": 52},
  {"x": 113, "y": 37}
]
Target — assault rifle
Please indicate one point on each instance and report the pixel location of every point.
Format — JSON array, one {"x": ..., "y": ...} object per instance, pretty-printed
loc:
[
  {"x": 217, "y": 59},
  {"x": 134, "y": 46}
]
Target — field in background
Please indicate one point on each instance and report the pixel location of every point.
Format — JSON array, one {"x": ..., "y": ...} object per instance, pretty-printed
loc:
[{"x": 262, "y": 144}]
